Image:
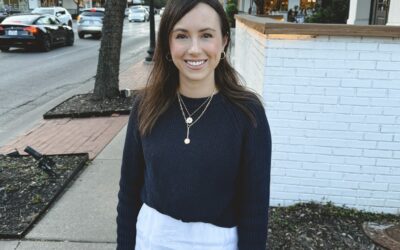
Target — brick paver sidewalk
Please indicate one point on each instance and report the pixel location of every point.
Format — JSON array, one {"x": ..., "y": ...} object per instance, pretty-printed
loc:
[
  {"x": 69, "y": 136},
  {"x": 80, "y": 135}
]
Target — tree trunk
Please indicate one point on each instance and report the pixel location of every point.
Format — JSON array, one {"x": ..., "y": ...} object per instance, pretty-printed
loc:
[
  {"x": 107, "y": 76},
  {"x": 77, "y": 2}
]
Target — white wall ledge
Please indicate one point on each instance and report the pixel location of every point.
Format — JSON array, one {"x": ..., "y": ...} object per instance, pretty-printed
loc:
[{"x": 270, "y": 26}]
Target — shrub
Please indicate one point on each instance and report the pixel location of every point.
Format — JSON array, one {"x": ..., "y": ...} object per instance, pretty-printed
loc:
[
  {"x": 231, "y": 10},
  {"x": 334, "y": 11}
]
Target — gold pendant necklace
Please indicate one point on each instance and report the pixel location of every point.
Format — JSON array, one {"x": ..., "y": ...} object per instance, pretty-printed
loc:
[{"x": 189, "y": 120}]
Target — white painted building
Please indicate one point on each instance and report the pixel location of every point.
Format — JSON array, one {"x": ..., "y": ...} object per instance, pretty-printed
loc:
[{"x": 332, "y": 98}]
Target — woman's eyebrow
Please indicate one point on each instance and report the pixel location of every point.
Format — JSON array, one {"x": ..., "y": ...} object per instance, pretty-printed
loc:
[
  {"x": 207, "y": 29},
  {"x": 185, "y": 30}
]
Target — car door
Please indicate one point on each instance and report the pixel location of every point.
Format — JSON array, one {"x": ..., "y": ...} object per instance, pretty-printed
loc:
[
  {"x": 59, "y": 29},
  {"x": 45, "y": 23}
]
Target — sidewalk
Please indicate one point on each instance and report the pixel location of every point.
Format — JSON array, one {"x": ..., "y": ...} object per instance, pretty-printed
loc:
[
  {"x": 83, "y": 135},
  {"x": 84, "y": 216}
]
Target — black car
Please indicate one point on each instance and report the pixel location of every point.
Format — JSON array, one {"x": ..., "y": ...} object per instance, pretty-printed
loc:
[{"x": 41, "y": 31}]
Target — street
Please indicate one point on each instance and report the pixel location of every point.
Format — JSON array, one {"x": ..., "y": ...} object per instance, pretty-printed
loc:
[{"x": 31, "y": 83}]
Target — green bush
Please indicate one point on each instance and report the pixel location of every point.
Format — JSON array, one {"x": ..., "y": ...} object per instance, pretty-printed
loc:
[
  {"x": 334, "y": 11},
  {"x": 231, "y": 10}
]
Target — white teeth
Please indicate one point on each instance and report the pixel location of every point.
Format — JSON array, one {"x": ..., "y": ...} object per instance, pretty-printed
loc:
[{"x": 196, "y": 63}]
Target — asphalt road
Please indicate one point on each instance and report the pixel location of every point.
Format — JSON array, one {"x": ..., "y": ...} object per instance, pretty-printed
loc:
[{"x": 31, "y": 83}]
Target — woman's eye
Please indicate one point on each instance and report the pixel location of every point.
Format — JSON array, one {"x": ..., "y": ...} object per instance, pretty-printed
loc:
[
  {"x": 207, "y": 35},
  {"x": 180, "y": 36}
]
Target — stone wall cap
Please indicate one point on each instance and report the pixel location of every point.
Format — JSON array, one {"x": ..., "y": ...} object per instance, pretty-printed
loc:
[{"x": 268, "y": 26}]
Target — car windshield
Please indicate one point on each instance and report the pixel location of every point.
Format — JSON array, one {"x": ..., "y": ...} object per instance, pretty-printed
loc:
[
  {"x": 43, "y": 11},
  {"x": 28, "y": 19},
  {"x": 137, "y": 10},
  {"x": 93, "y": 13}
]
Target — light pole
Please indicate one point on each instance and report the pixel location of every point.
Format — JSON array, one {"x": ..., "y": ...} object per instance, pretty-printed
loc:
[{"x": 150, "y": 51}]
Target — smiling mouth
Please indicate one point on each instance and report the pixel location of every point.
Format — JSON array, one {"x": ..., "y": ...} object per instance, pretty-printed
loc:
[{"x": 195, "y": 63}]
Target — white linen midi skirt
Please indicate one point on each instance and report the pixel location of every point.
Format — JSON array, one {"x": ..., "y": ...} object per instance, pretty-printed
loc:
[{"x": 156, "y": 231}]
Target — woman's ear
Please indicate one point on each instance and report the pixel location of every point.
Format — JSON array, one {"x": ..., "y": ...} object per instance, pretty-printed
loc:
[{"x": 225, "y": 41}]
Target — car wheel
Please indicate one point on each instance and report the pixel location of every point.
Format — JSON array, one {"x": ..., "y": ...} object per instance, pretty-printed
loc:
[
  {"x": 4, "y": 49},
  {"x": 70, "y": 39},
  {"x": 46, "y": 44},
  {"x": 81, "y": 35}
]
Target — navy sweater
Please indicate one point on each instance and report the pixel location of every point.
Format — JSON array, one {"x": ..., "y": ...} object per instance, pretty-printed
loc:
[{"x": 222, "y": 177}]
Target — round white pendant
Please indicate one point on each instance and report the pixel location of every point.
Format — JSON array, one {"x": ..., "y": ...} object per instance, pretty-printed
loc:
[
  {"x": 189, "y": 120},
  {"x": 187, "y": 141}
]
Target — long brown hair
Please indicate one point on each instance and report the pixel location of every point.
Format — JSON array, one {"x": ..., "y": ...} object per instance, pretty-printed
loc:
[{"x": 163, "y": 81}]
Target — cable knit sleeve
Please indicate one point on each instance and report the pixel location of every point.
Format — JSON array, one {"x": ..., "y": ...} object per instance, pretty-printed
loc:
[
  {"x": 131, "y": 182},
  {"x": 255, "y": 184}
]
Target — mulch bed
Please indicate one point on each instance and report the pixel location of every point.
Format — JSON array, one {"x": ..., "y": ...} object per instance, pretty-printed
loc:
[
  {"x": 26, "y": 191},
  {"x": 84, "y": 105},
  {"x": 316, "y": 226}
]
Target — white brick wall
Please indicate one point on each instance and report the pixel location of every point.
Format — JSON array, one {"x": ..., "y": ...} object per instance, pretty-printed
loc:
[
  {"x": 333, "y": 104},
  {"x": 251, "y": 46}
]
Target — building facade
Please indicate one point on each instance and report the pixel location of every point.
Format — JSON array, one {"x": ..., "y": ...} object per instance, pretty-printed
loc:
[
  {"x": 278, "y": 5},
  {"x": 21, "y": 5},
  {"x": 374, "y": 12},
  {"x": 28, "y": 5}
]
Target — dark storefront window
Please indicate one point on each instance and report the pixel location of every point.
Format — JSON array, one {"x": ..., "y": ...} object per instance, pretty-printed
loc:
[
  {"x": 282, "y": 5},
  {"x": 379, "y": 13}
]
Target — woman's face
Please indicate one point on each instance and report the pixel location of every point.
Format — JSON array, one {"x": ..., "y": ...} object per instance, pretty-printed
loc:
[{"x": 196, "y": 44}]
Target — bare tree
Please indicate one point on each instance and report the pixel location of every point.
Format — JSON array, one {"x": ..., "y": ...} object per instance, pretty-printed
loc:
[
  {"x": 78, "y": 5},
  {"x": 107, "y": 76}
]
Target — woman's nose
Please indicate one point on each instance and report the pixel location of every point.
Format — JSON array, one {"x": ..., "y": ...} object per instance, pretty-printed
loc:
[{"x": 194, "y": 47}]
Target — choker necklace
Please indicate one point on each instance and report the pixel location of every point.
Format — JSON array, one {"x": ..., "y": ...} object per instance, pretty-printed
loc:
[{"x": 189, "y": 120}]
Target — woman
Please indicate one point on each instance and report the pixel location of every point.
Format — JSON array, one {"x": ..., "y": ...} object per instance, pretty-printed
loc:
[{"x": 196, "y": 164}]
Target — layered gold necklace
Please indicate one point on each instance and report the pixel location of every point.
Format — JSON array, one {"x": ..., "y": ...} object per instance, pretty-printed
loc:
[{"x": 188, "y": 117}]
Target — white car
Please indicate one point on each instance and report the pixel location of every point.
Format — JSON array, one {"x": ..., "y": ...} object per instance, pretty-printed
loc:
[
  {"x": 138, "y": 14},
  {"x": 90, "y": 21},
  {"x": 162, "y": 11},
  {"x": 62, "y": 14}
]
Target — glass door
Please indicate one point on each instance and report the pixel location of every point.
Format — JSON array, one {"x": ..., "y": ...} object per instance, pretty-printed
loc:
[{"x": 380, "y": 12}]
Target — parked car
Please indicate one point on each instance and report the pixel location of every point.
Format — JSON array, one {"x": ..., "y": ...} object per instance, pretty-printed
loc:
[
  {"x": 90, "y": 21},
  {"x": 147, "y": 7},
  {"x": 61, "y": 13},
  {"x": 41, "y": 31},
  {"x": 135, "y": 7},
  {"x": 138, "y": 14}
]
